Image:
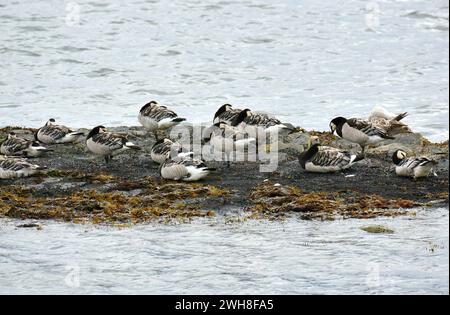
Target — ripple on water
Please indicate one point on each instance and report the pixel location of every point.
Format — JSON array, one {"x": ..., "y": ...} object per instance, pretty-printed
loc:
[
  {"x": 257, "y": 40},
  {"x": 170, "y": 53},
  {"x": 154, "y": 92},
  {"x": 103, "y": 72},
  {"x": 32, "y": 28},
  {"x": 20, "y": 52},
  {"x": 73, "y": 49}
]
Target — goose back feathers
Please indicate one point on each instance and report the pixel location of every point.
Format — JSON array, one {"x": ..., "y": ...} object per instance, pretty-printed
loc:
[
  {"x": 56, "y": 134},
  {"x": 184, "y": 168},
  {"x": 319, "y": 159},
  {"x": 16, "y": 168},
  {"x": 157, "y": 117},
  {"x": 107, "y": 144},
  {"x": 15, "y": 146}
]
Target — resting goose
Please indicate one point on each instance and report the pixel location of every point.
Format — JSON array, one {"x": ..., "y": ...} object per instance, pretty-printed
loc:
[
  {"x": 327, "y": 159},
  {"x": 247, "y": 118},
  {"x": 226, "y": 113},
  {"x": 227, "y": 139},
  {"x": 15, "y": 146},
  {"x": 163, "y": 149},
  {"x": 16, "y": 168},
  {"x": 108, "y": 145},
  {"x": 415, "y": 167},
  {"x": 56, "y": 134},
  {"x": 389, "y": 122},
  {"x": 358, "y": 131},
  {"x": 185, "y": 168},
  {"x": 155, "y": 117},
  {"x": 258, "y": 125}
]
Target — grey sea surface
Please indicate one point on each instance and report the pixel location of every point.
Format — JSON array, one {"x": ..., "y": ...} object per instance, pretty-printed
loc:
[
  {"x": 211, "y": 257},
  {"x": 97, "y": 62}
]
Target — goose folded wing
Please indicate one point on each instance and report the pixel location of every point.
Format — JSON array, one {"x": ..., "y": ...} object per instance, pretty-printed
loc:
[
  {"x": 368, "y": 128},
  {"x": 261, "y": 120},
  {"x": 16, "y": 145},
  {"x": 56, "y": 132},
  {"x": 229, "y": 115},
  {"x": 331, "y": 158},
  {"x": 415, "y": 162},
  {"x": 114, "y": 142},
  {"x": 13, "y": 165},
  {"x": 161, "y": 148}
]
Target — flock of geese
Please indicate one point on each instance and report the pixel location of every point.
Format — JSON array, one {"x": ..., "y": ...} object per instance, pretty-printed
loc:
[{"x": 233, "y": 129}]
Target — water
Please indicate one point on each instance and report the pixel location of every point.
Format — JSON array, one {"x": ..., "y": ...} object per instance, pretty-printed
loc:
[
  {"x": 91, "y": 62},
  {"x": 256, "y": 257}
]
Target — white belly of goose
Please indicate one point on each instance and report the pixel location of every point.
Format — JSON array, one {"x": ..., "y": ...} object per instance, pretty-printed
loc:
[
  {"x": 184, "y": 173},
  {"x": 311, "y": 167},
  {"x": 416, "y": 172},
  {"x": 148, "y": 123}
]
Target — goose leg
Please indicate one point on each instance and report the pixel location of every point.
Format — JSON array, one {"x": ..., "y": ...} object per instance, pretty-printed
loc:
[
  {"x": 228, "y": 160},
  {"x": 108, "y": 159}
]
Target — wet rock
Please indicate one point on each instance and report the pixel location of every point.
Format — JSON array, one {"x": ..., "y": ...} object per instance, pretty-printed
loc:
[
  {"x": 29, "y": 226},
  {"x": 377, "y": 229},
  {"x": 79, "y": 187}
]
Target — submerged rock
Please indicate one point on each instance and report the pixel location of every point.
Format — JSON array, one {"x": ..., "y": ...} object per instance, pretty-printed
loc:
[{"x": 377, "y": 229}]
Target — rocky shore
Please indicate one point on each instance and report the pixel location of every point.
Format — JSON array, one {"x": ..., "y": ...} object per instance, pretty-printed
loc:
[{"x": 80, "y": 188}]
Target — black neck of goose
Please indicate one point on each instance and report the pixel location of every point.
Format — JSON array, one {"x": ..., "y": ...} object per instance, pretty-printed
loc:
[
  {"x": 339, "y": 123},
  {"x": 221, "y": 110},
  {"x": 308, "y": 155},
  {"x": 144, "y": 108},
  {"x": 339, "y": 129},
  {"x": 158, "y": 142},
  {"x": 239, "y": 118},
  {"x": 93, "y": 132},
  {"x": 396, "y": 159}
]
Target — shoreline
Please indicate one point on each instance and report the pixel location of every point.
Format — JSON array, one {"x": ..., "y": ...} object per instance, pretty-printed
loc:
[{"x": 78, "y": 187}]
